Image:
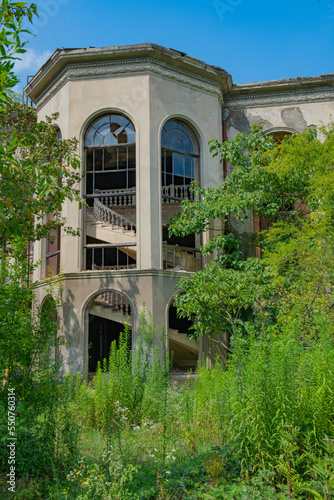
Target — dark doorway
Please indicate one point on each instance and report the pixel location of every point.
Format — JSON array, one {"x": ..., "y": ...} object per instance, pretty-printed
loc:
[
  {"x": 102, "y": 332},
  {"x": 182, "y": 349}
]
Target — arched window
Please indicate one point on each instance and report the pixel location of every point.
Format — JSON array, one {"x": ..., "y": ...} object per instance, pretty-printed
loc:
[
  {"x": 59, "y": 134},
  {"x": 110, "y": 154},
  {"x": 110, "y": 192},
  {"x": 179, "y": 159}
]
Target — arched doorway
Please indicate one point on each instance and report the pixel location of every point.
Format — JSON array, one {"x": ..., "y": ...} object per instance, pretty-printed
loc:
[
  {"x": 108, "y": 313},
  {"x": 183, "y": 350}
]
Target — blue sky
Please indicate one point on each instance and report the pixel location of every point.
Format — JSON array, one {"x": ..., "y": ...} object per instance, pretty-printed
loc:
[{"x": 254, "y": 40}]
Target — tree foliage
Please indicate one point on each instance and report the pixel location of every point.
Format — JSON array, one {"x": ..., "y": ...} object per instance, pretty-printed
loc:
[
  {"x": 37, "y": 171},
  {"x": 289, "y": 186},
  {"x": 12, "y": 17}
]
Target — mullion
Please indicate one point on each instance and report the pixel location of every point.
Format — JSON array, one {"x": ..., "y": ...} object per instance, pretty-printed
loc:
[
  {"x": 93, "y": 170},
  {"x": 127, "y": 167}
]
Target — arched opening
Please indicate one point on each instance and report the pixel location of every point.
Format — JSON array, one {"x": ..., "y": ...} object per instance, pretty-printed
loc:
[
  {"x": 279, "y": 135},
  {"x": 110, "y": 193},
  {"x": 183, "y": 350},
  {"x": 180, "y": 166},
  {"x": 108, "y": 313},
  {"x": 59, "y": 134}
]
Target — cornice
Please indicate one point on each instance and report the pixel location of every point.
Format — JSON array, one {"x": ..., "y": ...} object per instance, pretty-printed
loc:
[
  {"x": 135, "y": 66},
  {"x": 132, "y": 274},
  {"x": 293, "y": 96}
]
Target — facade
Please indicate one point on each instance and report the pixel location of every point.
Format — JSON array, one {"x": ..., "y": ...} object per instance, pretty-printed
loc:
[{"x": 143, "y": 115}]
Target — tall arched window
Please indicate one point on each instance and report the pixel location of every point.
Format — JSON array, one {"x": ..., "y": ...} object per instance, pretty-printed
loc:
[
  {"x": 180, "y": 155},
  {"x": 110, "y": 149},
  {"x": 109, "y": 236},
  {"x": 179, "y": 159}
]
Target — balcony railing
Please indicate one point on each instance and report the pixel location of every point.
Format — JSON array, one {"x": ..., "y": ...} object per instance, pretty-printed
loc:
[
  {"x": 181, "y": 258},
  {"x": 127, "y": 197},
  {"x": 116, "y": 197},
  {"x": 110, "y": 256},
  {"x": 175, "y": 194}
]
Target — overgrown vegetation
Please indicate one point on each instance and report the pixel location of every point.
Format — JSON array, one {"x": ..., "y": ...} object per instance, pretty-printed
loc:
[{"x": 261, "y": 427}]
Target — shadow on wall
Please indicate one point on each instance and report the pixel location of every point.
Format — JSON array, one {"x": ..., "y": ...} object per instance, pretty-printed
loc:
[{"x": 97, "y": 315}]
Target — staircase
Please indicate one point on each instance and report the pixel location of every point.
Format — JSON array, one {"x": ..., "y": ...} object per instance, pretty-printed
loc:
[
  {"x": 113, "y": 306},
  {"x": 116, "y": 301},
  {"x": 185, "y": 350},
  {"x": 114, "y": 219},
  {"x": 105, "y": 224}
]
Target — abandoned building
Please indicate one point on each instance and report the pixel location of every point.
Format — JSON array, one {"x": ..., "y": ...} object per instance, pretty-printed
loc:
[{"x": 143, "y": 115}]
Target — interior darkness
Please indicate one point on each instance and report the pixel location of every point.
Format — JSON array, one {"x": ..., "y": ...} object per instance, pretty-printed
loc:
[
  {"x": 181, "y": 324},
  {"x": 101, "y": 333},
  {"x": 110, "y": 168},
  {"x": 177, "y": 169},
  {"x": 106, "y": 256},
  {"x": 186, "y": 241}
]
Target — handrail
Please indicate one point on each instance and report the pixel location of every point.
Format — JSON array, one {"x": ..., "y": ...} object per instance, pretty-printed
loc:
[
  {"x": 181, "y": 258},
  {"x": 178, "y": 247},
  {"x": 173, "y": 193},
  {"x": 115, "y": 301},
  {"x": 106, "y": 214},
  {"x": 110, "y": 245}
]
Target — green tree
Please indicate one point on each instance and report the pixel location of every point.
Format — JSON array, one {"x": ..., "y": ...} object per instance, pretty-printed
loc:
[
  {"x": 290, "y": 187},
  {"x": 12, "y": 17},
  {"x": 37, "y": 172}
]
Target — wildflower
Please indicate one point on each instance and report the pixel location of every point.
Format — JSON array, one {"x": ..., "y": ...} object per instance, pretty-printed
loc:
[
  {"x": 168, "y": 472},
  {"x": 136, "y": 428},
  {"x": 151, "y": 455}
]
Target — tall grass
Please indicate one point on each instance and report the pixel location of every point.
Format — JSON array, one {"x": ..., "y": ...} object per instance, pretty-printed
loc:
[{"x": 263, "y": 426}]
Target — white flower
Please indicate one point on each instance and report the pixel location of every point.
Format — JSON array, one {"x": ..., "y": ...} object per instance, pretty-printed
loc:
[
  {"x": 168, "y": 472},
  {"x": 151, "y": 455},
  {"x": 136, "y": 428}
]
